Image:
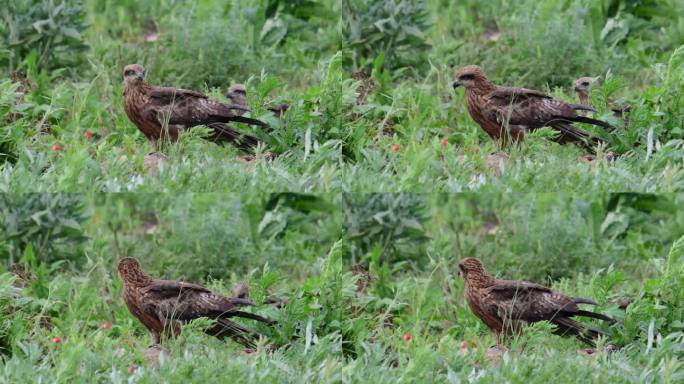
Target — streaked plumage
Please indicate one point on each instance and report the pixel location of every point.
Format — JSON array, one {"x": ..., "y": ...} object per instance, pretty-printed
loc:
[
  {"x": 164, "y": 305},
  {"x": 582, "y": 87},
  {"x": 164, "y": 112},
  {"x": 237, "y": 94},
  {"x": 505, "y": 112},
  {"x": 505, "y": 306}
]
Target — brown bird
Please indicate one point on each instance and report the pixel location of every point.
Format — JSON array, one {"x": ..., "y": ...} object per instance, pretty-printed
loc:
[
  {"x": 164, "y": 305},
  {"x": 165, "y": 112},
  {"x": 582, "y": 87},
  {"x": 506, "y": 111},
  {"x": 507, "y": 305},
  {"x": 237, "y": 94}
]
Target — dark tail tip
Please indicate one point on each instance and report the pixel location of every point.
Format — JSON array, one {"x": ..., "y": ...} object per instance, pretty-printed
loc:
[
  {"x": 248, "y": 120},
  {"x": 589, "y": 120}
]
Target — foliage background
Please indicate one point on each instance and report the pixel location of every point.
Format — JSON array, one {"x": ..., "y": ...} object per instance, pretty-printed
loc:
[
  {"x": 367, "y": 81},
  {"x": 302, "y": 247},
  {"x": 371, "y": 111}
]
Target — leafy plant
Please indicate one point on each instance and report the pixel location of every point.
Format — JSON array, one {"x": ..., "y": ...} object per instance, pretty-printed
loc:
[
  {"x": 393, "y": 222},
  {"x": 52, "y": 28},
  {"x": 47, "y": 222},
  {"x": 397, "y": 28},
  {"x": 304, "y": 20}
]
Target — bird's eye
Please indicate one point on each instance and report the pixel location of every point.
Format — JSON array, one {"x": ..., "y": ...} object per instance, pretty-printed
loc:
[
  {"x": 467, "y": 77},
  {"x": 128, "y": 72},
  {"x": 586, "y": 83}
]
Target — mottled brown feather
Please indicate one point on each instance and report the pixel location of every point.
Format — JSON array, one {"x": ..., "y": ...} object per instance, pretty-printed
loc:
[
  {"x": 164, "y": 305},
  {"x": 162, "y": 113},
  {"x": 507, "y": 113},
  {"x": 505, "y": 306}
]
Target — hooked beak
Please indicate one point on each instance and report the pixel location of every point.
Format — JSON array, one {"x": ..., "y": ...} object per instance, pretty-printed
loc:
[
  {"x": 456, "y": 84},
  {"x": 140, "y": 77}
]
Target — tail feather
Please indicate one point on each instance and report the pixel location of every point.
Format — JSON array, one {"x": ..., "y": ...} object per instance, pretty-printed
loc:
[
  {"x": 594, "y": 315},
  {"x": 592, "y": 121},
  {"x": 582, "y": 107},
  {"x": 226, "y": 328},
  {"x": 566, "y": 326},
  {"x": 581, "y": 300},
  {"x": 225, "y": 134},
  {"x": 249, "y": 315},
  {"x": 248, "y": 120},
  {"x": 575, "y": 135}
]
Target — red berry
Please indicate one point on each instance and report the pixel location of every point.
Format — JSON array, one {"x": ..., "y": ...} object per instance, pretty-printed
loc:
[
  {"x": 106, "y": 325},
  {"x": 131, "y": 370},
  {"x": 443, "y": 143},
  {"x": 396, "y": 147},
  {"x": 56, "y": 147},
  {"x": 56, "y": 340},
  {"x": 407, "y": 336},
  {"x": 88, "y": 134}
]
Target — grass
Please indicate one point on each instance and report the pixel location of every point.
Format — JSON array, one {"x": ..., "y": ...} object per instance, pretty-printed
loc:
[
  {"x": 607, "y": 248},
  {"x": 328, "y": 143},
  {"x": 378, "y": 164}
]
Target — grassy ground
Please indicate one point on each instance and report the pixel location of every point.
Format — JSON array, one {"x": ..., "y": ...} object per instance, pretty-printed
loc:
[
  {"x": 377, "y": 140},
  {"x": 411, "y": 133},
  {"x": 65, "y": 320}
]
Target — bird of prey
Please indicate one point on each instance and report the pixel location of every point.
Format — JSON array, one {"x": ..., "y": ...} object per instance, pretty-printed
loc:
[
  {"x": 505, "y": 112},
  {"x": 582, "y": 87},
  {"x": 165, "y": 112},
  {"x": 164, "y": 305},
  {"x": 507, "y": 305},
  {"x": 237, "y": 94}
]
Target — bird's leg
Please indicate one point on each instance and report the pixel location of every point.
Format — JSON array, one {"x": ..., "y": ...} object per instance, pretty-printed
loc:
[
  {"x": 498, "y": 339},
  {"x": 157, "y": 338},
  {"x": 156, "y": 144}
]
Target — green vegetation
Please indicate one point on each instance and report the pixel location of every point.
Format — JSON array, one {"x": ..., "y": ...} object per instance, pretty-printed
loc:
[
  {"x": 301, "y": 247},
  {"x": 342, "y": 125},
  {"x": 369, "y": 153}
]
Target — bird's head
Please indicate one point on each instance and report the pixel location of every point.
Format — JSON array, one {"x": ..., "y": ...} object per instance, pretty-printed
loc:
[
  {"x": 469, "y": 76},
  {"x": 134, "y": 74},
  {"x": 237, "y": 89},
  {"x": 472, "y": 271},
  {"x": 131, "y": 271},
  {"x": 583, "y": 84},
  {"x": 237, "y": 93}
]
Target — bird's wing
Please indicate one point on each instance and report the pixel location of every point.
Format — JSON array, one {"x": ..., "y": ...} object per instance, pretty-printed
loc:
[
  {"x": 520, "y": 106},
  {"x": 522, "y": 300},
  {"x": 163, "y": 289},
  {"x": 185, "y": 301},
  {"x": 511, "y": 94},
  {"x": 169, "y": 94},
  {"x": 191, "y": 111},
  {"x": 512, "y": 286}
]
